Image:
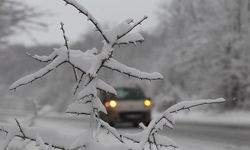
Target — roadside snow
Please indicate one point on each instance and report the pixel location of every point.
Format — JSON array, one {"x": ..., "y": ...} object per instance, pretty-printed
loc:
[{"x": 238, "y": 118}]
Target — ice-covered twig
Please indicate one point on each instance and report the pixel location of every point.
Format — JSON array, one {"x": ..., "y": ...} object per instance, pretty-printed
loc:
[
  {"x": 84, "y": 11},
  {"x": 131, "y": 72}
]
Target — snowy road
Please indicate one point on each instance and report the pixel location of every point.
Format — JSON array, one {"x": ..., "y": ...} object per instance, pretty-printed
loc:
[
  {"x": 200, "y": 137},
  {"x": 188, "y": 136},
  {"x": 210, "y": 137}
]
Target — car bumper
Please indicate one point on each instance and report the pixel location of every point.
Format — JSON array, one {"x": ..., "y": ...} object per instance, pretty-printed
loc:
[{"x": 131, "y": 116}]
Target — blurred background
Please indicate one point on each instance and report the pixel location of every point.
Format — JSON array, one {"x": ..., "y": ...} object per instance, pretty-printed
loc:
[{"x": 200, "y": 46}]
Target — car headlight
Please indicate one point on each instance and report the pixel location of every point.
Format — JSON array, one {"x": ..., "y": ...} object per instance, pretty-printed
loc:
[
  {"x": 111, "y": 103},
  {"x": 147, "y": 103}
]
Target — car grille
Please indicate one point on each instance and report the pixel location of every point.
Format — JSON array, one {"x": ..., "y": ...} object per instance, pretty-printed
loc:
[{"x": 129, "y": 116}]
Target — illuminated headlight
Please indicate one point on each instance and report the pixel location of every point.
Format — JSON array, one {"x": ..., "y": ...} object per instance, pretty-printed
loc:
[
  {"x": 111, "y": 103},
  {"x": 147, "y": 103}
]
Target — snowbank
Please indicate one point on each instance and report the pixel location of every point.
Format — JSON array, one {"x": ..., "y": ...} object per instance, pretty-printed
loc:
[{"x": 230, "y": 119}]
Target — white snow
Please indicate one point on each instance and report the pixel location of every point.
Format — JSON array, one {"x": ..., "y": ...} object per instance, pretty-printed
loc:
[
  {"x": 105, "y": 87},
  {"x": 79, "y": 108},
  {"x": 117, "y": 66},
  {"x": 131, "y": 38},
  {"x": 44, "y": 58},
  {"x": 188, "y": 104},
  {"x": 235, "y": 118},
  {"x": 88, "y": 91}
]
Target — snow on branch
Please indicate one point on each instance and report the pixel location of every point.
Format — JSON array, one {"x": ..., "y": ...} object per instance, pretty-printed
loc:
[
  {"x": 78, "y": 59},
  {"x": 166, "y": 119},
  {"x": 84, "y": 11},
  {"x": 39, "y": 74},
  {"x": 50, "y": 137},
  {"x": 131, "y": 72},
  {"x": 78, "y": 108},
  {"x": 112, "y": 130},
  {"x": 49, "y": 58},
  {"x": 132, "y": 38},
  {"x": 120, "y": 34},
  {"x": 88, "y": 91},
  {"x": 186, "y": 105},
  {"x": 125, "y": 31},
  {"x": 156, "y": 140},
  {"x": 101, "y": 85}
]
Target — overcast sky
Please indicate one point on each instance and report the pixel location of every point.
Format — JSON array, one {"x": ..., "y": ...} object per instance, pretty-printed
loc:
[{"x": 105, "y": 11}]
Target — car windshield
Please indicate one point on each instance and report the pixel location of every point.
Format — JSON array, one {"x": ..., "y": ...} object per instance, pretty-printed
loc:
[{"x": 129, "y": 93}]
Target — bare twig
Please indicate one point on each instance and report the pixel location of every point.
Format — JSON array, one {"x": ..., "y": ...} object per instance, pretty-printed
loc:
[
  {"x": 20, "y": 128},
  {"x": 78, "y": 83},
  {"x": 65, "y": 38},
  {"x": 75, "y": 73},
  {"x": 84, "y": 11},
  {"x": 67, "y": 46}
]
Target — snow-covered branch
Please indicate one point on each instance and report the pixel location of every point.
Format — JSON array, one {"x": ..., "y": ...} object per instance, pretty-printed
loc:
[
  {"x": 101, "y": 85},
  {"x": 49, "y": 58},
  {"x": 112, "y": 130},
  {"x": 186, "y": 105},
  {"x": 50, "y": 137},
  {"x": 131, "y": 72},
  {"x": 166, "y": 119},
  {"x": 131, "y": 38},
  {"x": 87, "y": 102},
  {"x": 37, "y": 75},
  {"x": 130, "y": 28}
]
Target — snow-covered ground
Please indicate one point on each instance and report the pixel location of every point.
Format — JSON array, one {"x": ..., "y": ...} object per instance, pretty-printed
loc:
[
  {"x": 193, "y": 130},
  {"x": 228, "y": 119}
]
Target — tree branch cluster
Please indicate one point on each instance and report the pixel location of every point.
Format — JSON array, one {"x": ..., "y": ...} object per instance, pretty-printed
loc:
[{"x": 89, "y": 63}]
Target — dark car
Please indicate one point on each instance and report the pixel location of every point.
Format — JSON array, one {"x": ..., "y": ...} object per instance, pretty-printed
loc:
[{"x": 129, "y": 105}]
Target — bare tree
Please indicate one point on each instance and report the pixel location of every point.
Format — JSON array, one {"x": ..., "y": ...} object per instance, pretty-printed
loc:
[{"x": 14, "y": 16}]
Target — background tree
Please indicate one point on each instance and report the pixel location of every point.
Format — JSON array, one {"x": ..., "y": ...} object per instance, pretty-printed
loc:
[
  {"x": 206, "y": 51},
  {"x": 17, "y": 16}
]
